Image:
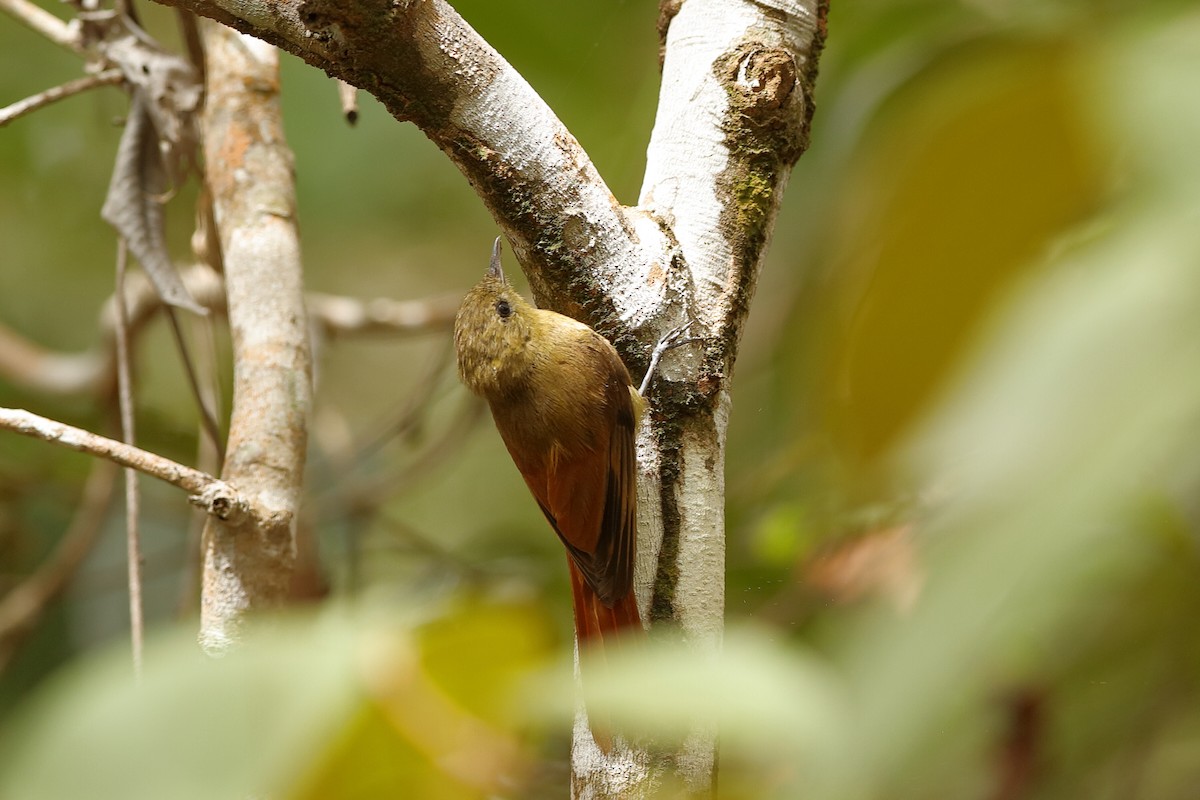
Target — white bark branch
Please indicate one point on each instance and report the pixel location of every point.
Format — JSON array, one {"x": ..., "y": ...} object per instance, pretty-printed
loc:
[
  {"x": 733, "y": 117},
  {"x": 249, "y": 173},
  {"x": 574, "y": 239}
]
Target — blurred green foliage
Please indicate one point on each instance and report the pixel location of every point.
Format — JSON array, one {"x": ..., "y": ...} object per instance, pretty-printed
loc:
[{"x": 962, "y": 463}]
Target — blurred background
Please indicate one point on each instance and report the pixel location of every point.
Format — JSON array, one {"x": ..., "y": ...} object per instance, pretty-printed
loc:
[{"x": 962, "y": 473}]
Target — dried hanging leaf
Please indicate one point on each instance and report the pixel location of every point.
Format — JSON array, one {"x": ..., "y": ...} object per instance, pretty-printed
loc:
[
  {"x": 158, "y": 145},
  {"x": 172, "y": 93},
  {"x": 132, "y": 205}
]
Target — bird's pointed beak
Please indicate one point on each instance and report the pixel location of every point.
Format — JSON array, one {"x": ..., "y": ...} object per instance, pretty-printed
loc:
[{"x": 494, "y": 269}]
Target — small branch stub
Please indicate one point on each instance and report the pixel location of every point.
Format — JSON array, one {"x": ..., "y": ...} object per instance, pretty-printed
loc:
[
  {"x": 221, "y": 501},
  {"x": 766, "y": 78}
]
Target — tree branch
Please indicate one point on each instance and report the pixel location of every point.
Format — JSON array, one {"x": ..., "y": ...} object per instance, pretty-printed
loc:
[
  {"x": 734, "y": 116},
  {"x": 34, "y": 367},
  {"x": 583, "y": 252},
  {"x": 248, "y": 170},
  {"x": 348, "y": 316},
  {"x": 108, "y": 77},
  {"x": 43, "y": 22},
  {"x": 215, "y": 496},
  {"x": 717, "y": 178}
]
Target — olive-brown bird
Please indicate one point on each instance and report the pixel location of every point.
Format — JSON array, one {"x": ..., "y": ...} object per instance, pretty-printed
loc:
[{"x": 567, "y": 410}]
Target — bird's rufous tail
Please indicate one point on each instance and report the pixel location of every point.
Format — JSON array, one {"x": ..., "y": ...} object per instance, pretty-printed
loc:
[
  {"x": 601, "y": 631},
  {"x": 598, "y": 625}
]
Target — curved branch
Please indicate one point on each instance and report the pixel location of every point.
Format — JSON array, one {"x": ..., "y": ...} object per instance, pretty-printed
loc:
[
  {"x": 35, "y": 367},
  {"x": 584, "y": 253}
]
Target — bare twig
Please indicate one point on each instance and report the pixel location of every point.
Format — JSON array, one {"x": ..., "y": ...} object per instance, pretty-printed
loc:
[
  {"x": 22, "y": 607},
  {"x": 376, "y": 490},
  {"x": 217, "y": 497},
  {"x": 35, "y": 367},
  {"x": 133, "y": 500},
  {"x": 339, "y": 316},
  {"x": 348, "y": 95},
  {"x": 351, "y": 492},
  {"x": 208, "y": 417},
  {"x": 108, "y": 77},
  {"x": 190, "y": 33},
  {"x": 414, "y": 410},
  {"x": 43, "y": 22}
]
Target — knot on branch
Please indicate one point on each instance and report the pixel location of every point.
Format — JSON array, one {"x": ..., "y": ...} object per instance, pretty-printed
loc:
[
  {"x": 321, "y": 19},
  {"x": 764, "y": 77},
  {"x": 222, "y": 501}
]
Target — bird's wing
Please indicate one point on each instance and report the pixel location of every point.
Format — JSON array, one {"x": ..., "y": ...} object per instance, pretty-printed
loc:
[
  {"x": 589, "y": 492},
  {"x": 592, "y": 504}
]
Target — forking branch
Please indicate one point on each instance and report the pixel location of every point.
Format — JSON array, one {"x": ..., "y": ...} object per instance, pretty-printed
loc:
[{"x": 733, "y": 117}]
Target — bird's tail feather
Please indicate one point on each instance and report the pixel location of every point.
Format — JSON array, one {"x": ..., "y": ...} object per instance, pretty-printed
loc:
[{"x": 601, "y": 631}]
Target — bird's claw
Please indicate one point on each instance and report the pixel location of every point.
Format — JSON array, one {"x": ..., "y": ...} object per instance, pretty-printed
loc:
[{"x": 668, "y": 342}]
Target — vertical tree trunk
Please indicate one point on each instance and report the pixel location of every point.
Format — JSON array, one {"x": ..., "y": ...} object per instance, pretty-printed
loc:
[
  {"x": 733, "y": 117},
  {"x": 248, "y": 170}
]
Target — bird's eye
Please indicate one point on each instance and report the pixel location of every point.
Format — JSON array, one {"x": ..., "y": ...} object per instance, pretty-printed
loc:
[{"x": 503, "y": 309}]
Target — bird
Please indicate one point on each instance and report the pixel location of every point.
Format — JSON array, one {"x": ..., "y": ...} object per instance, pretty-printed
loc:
[{"x": 567, "y": 410}]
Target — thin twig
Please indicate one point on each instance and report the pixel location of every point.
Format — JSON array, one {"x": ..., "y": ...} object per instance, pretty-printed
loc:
[
  {"x": 52, "y": 95},
  {"x": 415, "y": 409},
  {"x": 35, "y": 367},
  {"x": 208, "y": 419},
  {"x": 189, "y": 32},
  {"x": 217, "y": 497},
  {"x": 348, "y": 95},
  {"x": 22, "y": 607},
  {"x": 368, "y": 494},
  {"x": 133, "y": 500},
  {"x": 43, "y": 22},
  {"x": 345, "y": 464},
  {"x": 340, "y": 316}
]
